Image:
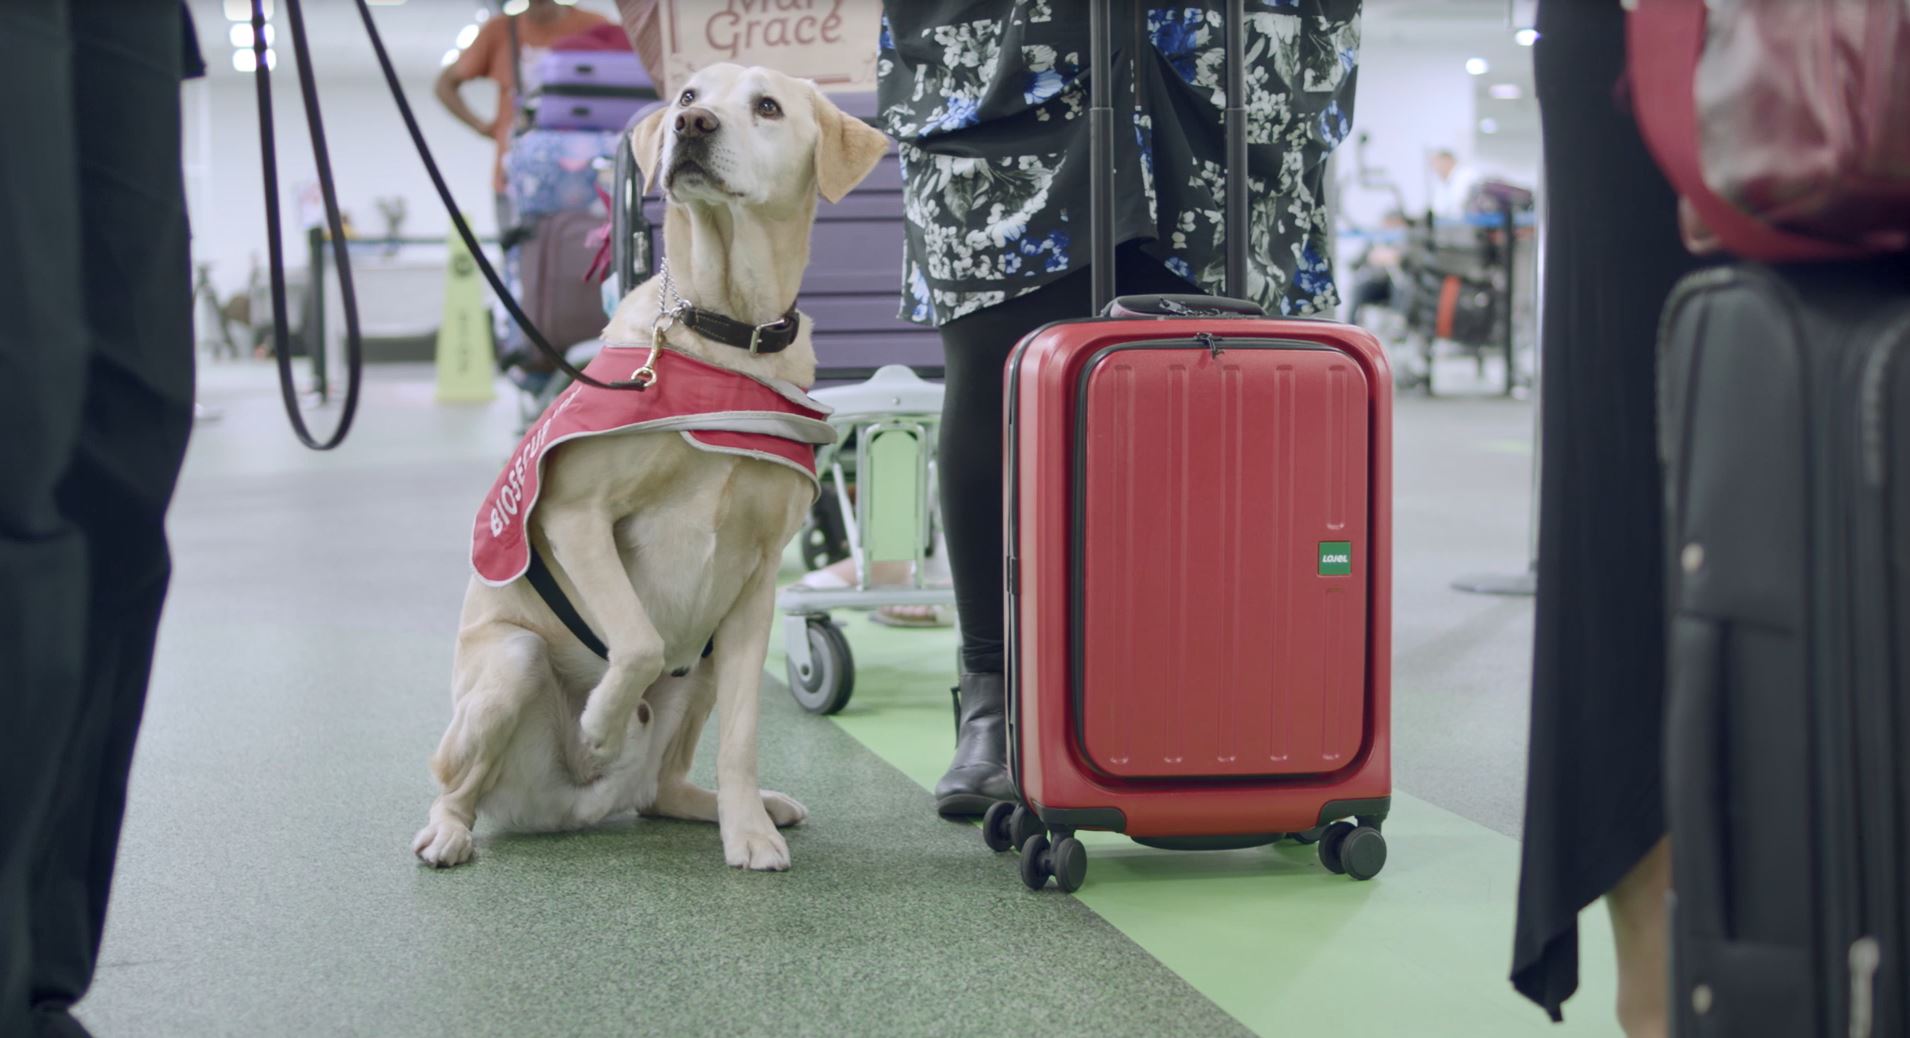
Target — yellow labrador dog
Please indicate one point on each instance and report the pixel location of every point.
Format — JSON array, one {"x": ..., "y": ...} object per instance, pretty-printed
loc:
[{"x": 662, "y": 548}]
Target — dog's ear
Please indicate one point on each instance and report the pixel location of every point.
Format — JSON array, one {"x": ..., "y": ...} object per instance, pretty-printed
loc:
[
  {"x": 646, "y": 144},
  {"x": 846, "y": 148}
]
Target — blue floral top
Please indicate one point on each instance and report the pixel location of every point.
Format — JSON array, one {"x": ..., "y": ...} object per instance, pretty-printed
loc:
[{"x": 986, "y": 98}]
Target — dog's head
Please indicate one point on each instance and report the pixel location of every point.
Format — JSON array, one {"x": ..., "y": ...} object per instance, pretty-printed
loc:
[{"x": 753, "y": 137}]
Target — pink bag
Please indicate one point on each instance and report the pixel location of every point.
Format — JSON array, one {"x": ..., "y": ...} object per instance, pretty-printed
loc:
[{"x": 1784, "y": 125}]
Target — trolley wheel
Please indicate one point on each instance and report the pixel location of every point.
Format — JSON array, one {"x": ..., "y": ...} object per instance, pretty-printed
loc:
[
  {"x": 1035, "y": 867},
  {"x": 1311, "y": 836},
  {"x": 996, "y": 826},
  {"x": 1022, "y": 824},
  {"x": 1068, "y": 860},
  {"x": 824, "y": 539},
  {"x": 1363, "y": 853},
  {"x": 1330, "y": 842},
  {"x": 825, "y": 685}
]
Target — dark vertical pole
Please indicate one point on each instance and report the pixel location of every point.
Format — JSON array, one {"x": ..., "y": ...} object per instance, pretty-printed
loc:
[
  {"x": 1507, "y": 214},
  {"x": 315, "y": 313},
  {"x": 1101, "y": 152},
  {"x": 1237, "y": 221}
]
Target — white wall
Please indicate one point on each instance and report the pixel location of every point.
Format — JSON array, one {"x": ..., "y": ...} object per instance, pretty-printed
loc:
[
  {"x": 1411, "y": 102},
  {"x": 372, "y": 157}
]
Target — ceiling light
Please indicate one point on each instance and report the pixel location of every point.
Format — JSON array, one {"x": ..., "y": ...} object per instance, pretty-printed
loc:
[
  {"x": 242, "y": 35},
  {"x": 241, "y": 10},
  {"x": 244, "y": 61},
  {"x": 1526, "y": 37},
  {"x": 466, "y": 35},
  {"x": 449, "y": 57},
  {"x": 517, "y": 7},
  {"x": 482, "y": 13},
  {"x": 1488, "y": 125},
  {"x": 1477, "y": 66},
  {"x": 1505, "y": 91}
]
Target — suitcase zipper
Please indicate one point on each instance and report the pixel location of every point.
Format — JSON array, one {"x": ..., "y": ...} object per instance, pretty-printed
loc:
[
  {"x": 1869, "y": 600},
  {"x": 1873, "y": 409},
  {"x": 1882, "y": 897},
  {"x": 1865, "y": 957}
]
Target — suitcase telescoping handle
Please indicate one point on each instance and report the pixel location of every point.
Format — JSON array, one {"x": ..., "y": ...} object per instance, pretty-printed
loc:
[{"x": 1101, "y": 150}]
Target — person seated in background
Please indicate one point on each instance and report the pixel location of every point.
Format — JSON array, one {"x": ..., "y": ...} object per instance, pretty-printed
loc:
[
  {"x": 503, "y": 45},
  {"x": 1376, "y": 269}
]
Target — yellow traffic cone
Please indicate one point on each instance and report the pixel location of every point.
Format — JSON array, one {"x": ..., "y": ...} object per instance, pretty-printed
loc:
[{"x": 466, "y": 369}]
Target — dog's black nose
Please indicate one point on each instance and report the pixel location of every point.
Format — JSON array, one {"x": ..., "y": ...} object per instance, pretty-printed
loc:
[{"x": 696, "y": 122}]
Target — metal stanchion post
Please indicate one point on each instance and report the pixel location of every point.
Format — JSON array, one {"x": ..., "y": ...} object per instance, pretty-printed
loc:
[
  {"x": 1527, "y": 582},
  {"x": 315, "y": 313}
]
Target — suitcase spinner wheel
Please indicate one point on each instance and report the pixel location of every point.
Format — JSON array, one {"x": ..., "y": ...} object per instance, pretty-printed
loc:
[
  {"x": 1065, "y": 860},
  {"x": 1355, "y": 850},
  {"x": 1008, "y": 826},
  {"x": 823, "y": 683}
]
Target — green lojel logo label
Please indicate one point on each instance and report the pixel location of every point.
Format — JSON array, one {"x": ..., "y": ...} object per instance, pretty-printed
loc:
[{"x": 1336, "y": 558}]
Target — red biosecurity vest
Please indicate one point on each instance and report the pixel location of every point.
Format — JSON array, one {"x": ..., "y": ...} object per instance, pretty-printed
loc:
[{"x": 712, "y": 408}]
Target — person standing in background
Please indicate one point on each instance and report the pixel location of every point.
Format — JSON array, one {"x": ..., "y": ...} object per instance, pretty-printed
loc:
[
  {"x": 491, "y": 56},
  {"x": 96, "y": 394},
  {"x": 1595, "y": 795},
  {"x": 1452, "y": 186}
]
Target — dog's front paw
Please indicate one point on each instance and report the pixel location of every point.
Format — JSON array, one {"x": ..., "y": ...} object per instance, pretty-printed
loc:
[
  {"x": 601, "y": 742},
  {"x": 757, "y": 847},
  {"x": 443, "y": 844},
  {"x": 783, "y": 809}
]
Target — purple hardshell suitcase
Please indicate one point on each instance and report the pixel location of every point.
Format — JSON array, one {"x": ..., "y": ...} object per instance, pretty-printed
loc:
[
  {"x": 588, "y": 90},
  {"x": 557, "y": 292}
]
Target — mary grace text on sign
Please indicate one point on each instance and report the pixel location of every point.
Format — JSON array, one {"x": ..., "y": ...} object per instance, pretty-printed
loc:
[{"x": 750, "y": 26}]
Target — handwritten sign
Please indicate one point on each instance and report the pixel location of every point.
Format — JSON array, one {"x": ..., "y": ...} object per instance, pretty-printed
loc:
[{"x": 832, "y": 42}]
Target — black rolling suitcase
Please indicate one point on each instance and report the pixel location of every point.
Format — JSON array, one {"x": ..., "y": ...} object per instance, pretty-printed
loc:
[{"x": 1785, "y": 423}]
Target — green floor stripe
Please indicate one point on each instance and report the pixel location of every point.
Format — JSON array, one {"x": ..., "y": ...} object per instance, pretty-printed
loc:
[{"x": 1268, "y": 934}]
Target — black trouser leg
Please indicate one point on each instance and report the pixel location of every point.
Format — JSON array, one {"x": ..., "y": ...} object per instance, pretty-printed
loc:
[
  {"x": 111, "y": 368},
  {"x": 969, "y": 459},
  {"x": 43, "y": 347}
]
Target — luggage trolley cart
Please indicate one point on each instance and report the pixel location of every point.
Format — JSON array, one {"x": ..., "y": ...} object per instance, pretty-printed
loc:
[{"x": 886, "y": 428}]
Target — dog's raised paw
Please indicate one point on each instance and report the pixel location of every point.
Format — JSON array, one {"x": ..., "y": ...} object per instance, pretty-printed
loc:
[
  {"x": 442, "y": 845},
  {"x": 757, "y": 850},
  {"x": 783, "y": 809},
  {"x": 601, "y": 743}
]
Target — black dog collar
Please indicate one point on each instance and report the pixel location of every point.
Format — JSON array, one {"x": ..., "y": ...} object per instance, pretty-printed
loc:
[{"x": 774, "y": 337}]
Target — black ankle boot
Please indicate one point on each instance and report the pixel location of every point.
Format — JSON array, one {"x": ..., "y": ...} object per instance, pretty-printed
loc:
[{"x": 978, "y": 776}]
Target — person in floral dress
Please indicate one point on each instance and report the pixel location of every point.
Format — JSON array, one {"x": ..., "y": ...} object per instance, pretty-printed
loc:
[{"x": 987, "y": 102}]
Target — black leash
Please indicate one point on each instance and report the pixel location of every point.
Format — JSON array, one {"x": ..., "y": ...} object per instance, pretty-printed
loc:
[
  {"x": 281, "y": 335},
  {"x": 769, "y": 338},
  {"x": 334, "y": 222}
]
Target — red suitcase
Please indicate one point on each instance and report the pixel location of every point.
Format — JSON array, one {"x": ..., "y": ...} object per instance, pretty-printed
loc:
[{"x": 1199, "y": 571}]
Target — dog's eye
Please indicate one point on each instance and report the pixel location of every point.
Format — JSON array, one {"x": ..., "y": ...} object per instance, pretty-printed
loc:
[
  {"x": 688, "y": 98},
  {"x": 768, "y": 108}
]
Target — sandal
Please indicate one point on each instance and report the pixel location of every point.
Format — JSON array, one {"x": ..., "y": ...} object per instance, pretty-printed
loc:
[{"x": 906, "y": 616}]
